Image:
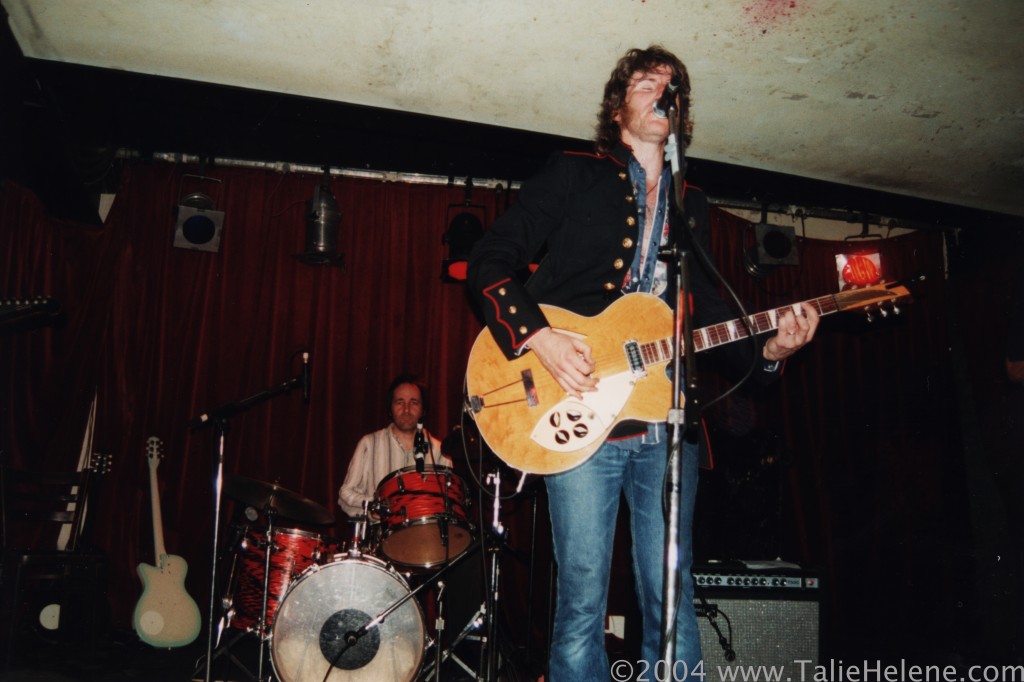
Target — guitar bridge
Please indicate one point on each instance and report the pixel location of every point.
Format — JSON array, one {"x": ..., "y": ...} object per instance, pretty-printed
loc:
[
  {"x": 635, "y": 358},
  {"x": 530, "y": 388}
]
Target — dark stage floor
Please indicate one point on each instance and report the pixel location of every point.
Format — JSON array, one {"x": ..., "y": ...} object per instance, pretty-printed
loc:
[{"x": 121, "y": 657}]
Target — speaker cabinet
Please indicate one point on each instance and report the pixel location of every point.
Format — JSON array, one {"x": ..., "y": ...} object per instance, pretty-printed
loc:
[
  {"x": 52, "y": 601},
  {"x": 757, "y": 617}
]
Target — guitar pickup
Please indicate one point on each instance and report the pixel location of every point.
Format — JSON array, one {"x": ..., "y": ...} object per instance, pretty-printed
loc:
[
  {"x": 529, "y": 388},
  {"x": 634, "y": 357}
]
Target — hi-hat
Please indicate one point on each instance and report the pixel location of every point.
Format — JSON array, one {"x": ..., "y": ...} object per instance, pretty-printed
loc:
[{"x": 270, "y": 497}]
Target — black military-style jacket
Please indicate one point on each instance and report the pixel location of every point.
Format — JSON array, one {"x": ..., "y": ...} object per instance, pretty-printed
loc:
[{"x": 582, "y": 208}]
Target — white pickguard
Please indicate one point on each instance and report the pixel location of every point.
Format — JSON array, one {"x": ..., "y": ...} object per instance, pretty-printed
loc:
[{"x": 575, "y": 423}]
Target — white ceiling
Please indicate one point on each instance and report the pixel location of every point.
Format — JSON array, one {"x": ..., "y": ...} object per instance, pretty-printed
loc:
[{"x": 923, "y": 98}]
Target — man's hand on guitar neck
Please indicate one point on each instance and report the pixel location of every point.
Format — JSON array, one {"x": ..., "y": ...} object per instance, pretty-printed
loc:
[
  {"x": 566, "y": 358},
  {"x": 795, "y": 332}
]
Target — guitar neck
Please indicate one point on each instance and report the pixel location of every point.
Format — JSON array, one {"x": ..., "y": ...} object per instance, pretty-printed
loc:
[
  {"x": 705, "y": 338},
  {"x": 158, "y": 523},
  {"x": 766, "y": 321}
]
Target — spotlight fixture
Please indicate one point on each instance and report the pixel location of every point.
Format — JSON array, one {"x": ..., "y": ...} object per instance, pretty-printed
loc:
[
  {"x": 463, "y": 232},
  {"x": 323, "y": 217},
  {"x": 774, "y": 245},
  {"x": 197, "y": 223}
]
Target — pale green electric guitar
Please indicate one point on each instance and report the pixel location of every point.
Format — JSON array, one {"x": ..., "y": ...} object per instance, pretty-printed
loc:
[{"x": 166, "y": 616}]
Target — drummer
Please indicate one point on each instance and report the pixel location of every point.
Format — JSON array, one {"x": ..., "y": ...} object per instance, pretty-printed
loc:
[{"x": 391, "y": 448}]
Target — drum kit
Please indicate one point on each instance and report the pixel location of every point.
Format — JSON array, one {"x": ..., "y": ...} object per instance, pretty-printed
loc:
[{"x": 332, "y": 611}]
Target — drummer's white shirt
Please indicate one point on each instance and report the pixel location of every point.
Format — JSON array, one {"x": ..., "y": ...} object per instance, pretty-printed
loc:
[{"x": 376, "y": 456}]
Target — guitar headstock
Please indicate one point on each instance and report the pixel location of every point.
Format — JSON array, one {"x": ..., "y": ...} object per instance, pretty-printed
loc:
[
  {"x": 100, "y": 463},
  {"x": 154, "y": 451},
  {"x": 881, "y": 299}
]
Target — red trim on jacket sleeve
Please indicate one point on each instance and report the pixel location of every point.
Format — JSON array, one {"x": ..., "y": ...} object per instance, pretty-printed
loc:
[{"x": 497, "y": 310}]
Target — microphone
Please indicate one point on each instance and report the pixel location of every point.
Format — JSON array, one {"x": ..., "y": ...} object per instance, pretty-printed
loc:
[
  {"x": 419, "y": 447},
  {"x": 305, "y": 378},
  {"x": 667, "y": 99},
  {"x": 442, "y": 527}
]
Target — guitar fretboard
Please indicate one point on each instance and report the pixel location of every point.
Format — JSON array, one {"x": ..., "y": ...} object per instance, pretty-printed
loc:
[
  {"x": 660, "y": 351},
  {"x": 734, "y": 330}
]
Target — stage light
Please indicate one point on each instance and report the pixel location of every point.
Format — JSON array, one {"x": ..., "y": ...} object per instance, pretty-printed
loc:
[
  {"x": 197, "y": 224},
  {"x": 774, "y": 245},
  {"x": 462, "y": 233},
  {"x": 323, "y": 218}
]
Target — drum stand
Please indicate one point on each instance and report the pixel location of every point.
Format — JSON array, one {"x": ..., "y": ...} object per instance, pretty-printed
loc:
[
  {"x": 225, "y": 645},
  {"x": 261, "y": 626},
  {"x": 486, "y": 616},
  {"x": 224, "y": 649},
  {"x": 261, "y": 629}
]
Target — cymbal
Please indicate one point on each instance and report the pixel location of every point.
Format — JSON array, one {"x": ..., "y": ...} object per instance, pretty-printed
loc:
[{"x": 272, "y": 497}]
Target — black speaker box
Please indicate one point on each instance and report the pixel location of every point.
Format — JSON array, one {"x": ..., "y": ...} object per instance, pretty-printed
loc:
[
  {"x": 754, "y": 616},
  {"x": 52, "y": 602}
]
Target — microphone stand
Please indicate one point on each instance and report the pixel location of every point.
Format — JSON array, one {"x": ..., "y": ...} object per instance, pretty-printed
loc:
[
  {"x": 218, "y": 418},
  {"x": 677, "y": 254}
]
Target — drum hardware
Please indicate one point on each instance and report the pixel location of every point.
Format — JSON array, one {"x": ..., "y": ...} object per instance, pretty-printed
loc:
[
  {"x": 443, "y": 655},
  {"x": 224, "y": 648},
  {"x": 218, "y": 419},
  {"x": 265, "y": 561},
  {"x": 286, "y": 553},
  {"x": 486, "y": 616},
  {"x": 265, "y": 564},
  {"x": 439, "y": 625},
  {"x": 360, "y": 526}
]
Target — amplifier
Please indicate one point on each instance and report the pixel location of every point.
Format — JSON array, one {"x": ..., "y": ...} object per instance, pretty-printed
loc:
[{"x": 751, "y": 615}]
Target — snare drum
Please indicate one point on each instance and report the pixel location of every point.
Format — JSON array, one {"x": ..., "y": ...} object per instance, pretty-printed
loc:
[
  {"x": 423, "y": 517},
  {"x": 331, "y": 601},
  {"x": 293, "y": 552}
]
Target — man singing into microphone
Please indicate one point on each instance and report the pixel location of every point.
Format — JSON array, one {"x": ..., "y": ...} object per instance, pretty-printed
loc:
[
  {"x": 602, "y": 218},
  {"x": 391, "y": 448}
]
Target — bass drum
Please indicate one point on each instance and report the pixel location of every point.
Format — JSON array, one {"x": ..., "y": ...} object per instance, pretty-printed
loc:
[{"x": 331, "y": 601}]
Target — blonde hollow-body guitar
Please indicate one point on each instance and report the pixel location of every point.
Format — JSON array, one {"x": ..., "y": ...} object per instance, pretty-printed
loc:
[
  {"x": 529, "y": 421},
  {"x": 165, "y": 615}
]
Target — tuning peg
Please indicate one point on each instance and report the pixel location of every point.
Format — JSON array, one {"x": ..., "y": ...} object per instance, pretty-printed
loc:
[
  {"x": 868, "y": 315},
  {"x": 896, "y": 310},
  {"x": 883, "y": 312}
]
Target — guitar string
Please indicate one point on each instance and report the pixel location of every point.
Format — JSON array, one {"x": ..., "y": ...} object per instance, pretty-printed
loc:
[{"x": 705, "y": 338}]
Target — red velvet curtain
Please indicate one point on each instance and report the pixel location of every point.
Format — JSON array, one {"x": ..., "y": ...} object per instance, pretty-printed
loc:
[
  {"x": 164, "y": 334},
  {"x": 855, "y": 455},
  {"x": 861, "y": 428}
]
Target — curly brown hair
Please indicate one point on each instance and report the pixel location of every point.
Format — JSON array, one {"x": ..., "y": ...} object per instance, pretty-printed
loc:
[{"x": 635, "y": 60}]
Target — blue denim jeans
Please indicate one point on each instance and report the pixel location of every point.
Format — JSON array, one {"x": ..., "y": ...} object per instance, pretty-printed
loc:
[{"x": 584, "y": 503}]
